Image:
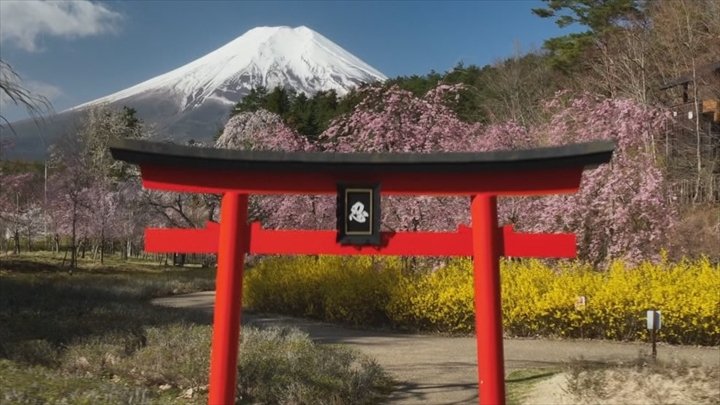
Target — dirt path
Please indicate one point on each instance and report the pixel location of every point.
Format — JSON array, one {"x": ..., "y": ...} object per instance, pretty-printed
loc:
[{"x": 442, "y": 370}]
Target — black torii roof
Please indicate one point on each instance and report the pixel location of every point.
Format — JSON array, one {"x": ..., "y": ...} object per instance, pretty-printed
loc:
[{"x": 142, "y": 152}]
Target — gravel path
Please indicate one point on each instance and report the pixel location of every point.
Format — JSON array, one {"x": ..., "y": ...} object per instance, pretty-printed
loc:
[{"x": 442, "y": 370}]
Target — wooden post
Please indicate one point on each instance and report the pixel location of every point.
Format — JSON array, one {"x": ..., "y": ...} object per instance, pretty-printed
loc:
[
  {"x": 654, "y": 342},
  {"x": 233, "y": 245},
  {"x": 488, "y": 311}
]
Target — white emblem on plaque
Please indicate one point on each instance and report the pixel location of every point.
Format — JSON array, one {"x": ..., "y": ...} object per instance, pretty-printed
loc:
[{"x": 358, "y": 213}]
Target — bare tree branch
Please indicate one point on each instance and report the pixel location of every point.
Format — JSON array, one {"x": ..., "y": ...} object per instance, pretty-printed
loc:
[{"x": 11, "y": 88}]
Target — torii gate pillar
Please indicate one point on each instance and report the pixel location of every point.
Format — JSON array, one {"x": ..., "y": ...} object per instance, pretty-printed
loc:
[
  {"x": 232, "y": 247},
  {"x": 486, "y": 277}
]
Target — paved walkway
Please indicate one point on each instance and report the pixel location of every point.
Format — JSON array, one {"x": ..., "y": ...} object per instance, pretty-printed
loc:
[{"x": 442, "y": 370}]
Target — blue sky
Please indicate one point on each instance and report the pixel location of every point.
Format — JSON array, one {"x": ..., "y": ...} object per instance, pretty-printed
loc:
[{"x": 79, "y": 51}]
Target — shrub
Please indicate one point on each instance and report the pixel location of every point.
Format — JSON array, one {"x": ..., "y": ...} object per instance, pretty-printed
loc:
[
  {"x": 353, "y": 290},
  {"x": 40, "y": 385},
  {"x": 176, "y": 354},
  {"x": 283, "y": 366},
  {"x": 539, "y": 299},
  {"x": 437, "y": 300}
]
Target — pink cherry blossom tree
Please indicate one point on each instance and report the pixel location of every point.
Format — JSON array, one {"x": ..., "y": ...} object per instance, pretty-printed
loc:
[
  {"x": 395, "y": 120},
  {"x": 21, "y": 211},
  {"x": 85, "y": 182},
  {"x": 263, "y": 130},
  {"x": 103, "y": 218},
  {"x": 623, "y": 209}
]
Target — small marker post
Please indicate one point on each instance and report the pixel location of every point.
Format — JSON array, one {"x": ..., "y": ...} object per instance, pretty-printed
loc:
[
  {"x": 653, "y": 324},
  {"x": 654, "y": 344}
]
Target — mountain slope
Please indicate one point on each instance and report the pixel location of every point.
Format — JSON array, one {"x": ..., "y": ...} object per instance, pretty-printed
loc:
[
  {"x": 193, "y": 101},
  {"x": 298, "y": 58}
]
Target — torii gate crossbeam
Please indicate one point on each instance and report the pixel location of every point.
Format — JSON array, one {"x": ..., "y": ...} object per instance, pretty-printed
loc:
[{"x": 481, "y": 176}]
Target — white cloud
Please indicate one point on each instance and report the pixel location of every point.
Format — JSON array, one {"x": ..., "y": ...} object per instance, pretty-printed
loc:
[
  {"x": 47, "y": 90},
  {"x": 22, "y": 22},
  {"x": 35, "y": 90}
]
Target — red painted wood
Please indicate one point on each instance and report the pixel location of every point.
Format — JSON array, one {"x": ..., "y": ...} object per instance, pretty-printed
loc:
[
  {"x": 233, "y": 244},
  {"x": 542, "y": 245},
  {"x": 519, "y": 182},
  {"x": 264, "y": 241},
  {"x": 297, "y": 242},
  {"x": 487, "y": 247}
]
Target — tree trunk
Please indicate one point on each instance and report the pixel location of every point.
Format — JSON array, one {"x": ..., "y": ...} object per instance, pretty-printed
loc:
[
  {"x": 102, "y": 246},
  {"x": 698, "y": 137},
  {"x": 16, "y": 237},
  {"x": 179, "y": 259},
  {"x": 17, "y": 218},
  {"x": 73, "y": 254}
]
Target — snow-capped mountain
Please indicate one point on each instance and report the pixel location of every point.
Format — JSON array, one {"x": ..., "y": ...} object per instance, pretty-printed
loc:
[
  {"x": 298, "y": 58},
  {"x": 194, "y": 100}
]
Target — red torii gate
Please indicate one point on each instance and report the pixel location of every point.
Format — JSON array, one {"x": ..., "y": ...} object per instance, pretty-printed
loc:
[{"x": 482, "y": 176}]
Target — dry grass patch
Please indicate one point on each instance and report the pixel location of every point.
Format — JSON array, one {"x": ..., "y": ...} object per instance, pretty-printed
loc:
[
  {"x": 283, "y": 366},
  {"x": 644, "y": 382},
  {"x": 95, "y": 338}
]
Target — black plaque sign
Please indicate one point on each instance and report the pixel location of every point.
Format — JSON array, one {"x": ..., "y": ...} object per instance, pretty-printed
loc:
[{"x": 358, "y": 214}]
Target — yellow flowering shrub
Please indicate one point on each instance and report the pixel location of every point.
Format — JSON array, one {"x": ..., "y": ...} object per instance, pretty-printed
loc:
[
  {"x": 539, "y": 298},
  {"x": 353, "y": 290},
  {"x": 440, "y": 300}
]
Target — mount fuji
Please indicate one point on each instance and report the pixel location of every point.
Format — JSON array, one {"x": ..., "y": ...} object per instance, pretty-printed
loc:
[{"x": 194, "y": 100}]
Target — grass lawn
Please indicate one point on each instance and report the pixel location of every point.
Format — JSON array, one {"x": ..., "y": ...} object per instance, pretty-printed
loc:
[{"x": 93, "y": 337}]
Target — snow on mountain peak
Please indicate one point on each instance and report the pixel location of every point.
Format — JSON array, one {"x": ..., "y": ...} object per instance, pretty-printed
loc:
[{"x": 297, "y": 58}]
